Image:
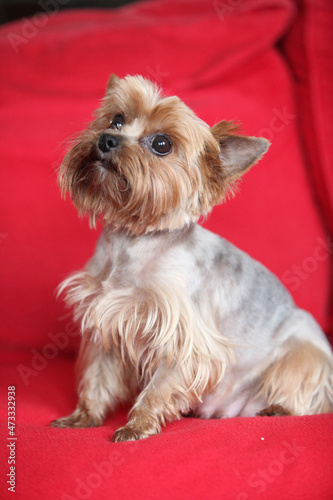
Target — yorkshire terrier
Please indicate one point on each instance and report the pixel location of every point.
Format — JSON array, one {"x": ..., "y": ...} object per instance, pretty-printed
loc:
[{"x": 174, "y": 318}]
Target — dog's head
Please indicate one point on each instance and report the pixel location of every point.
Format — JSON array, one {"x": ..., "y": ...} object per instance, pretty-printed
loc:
[{"x": 148, "y": 163}]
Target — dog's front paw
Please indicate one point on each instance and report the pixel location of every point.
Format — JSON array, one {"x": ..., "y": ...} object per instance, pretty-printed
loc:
[
  {"x": 79, "y": 419},
  {"x": 274, "y": 411},
  {"x": 128, "y": 433}
]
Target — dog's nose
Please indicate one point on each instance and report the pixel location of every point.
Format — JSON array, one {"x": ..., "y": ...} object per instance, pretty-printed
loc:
[{"x": 107, "y": 142}]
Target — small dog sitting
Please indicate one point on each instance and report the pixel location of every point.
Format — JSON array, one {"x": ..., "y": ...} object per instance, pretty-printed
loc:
[{"x": 173, "y": 317}]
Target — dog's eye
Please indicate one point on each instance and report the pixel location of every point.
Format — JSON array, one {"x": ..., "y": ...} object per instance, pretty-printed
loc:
[
  {"x": 117, "y": 122},
  {"x": 161, "y": 144}
]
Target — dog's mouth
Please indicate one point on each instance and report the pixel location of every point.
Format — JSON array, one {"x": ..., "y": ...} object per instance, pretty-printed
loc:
[
  {"x": 97, "y": 159},
  {"x": 110, "y": 171},
  {"x": 99, "y": 163},
  {"x": 108, "y": 164},
  {"x": 98, "y": 172}
]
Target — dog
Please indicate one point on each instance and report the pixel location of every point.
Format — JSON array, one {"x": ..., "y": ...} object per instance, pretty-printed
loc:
[{"x": 175, "y": 319}]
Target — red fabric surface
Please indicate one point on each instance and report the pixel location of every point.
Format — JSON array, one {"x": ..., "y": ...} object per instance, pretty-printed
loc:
[
  {"x": 221, "y": 58},
  {"x": 309, "y": 46},
  {"x": 223, "y": 67},
  {"x": 233, "y": 459}
]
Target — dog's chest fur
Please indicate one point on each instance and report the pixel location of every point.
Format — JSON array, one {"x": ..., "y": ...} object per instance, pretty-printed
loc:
[
  {"x": 189, "y": 303},
  {"x": 188, "y": 298}
]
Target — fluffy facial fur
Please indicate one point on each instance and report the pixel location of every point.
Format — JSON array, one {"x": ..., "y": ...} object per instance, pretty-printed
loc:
[
  {"x": 131, "y": 187},
  {"x": 174, "y": 318}
]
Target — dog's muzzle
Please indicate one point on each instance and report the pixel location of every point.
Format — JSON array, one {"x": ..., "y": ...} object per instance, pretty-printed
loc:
[{"x": 108, "y": 142}]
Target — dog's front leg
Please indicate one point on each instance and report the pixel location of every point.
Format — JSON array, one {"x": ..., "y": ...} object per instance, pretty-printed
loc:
[
  {"x": 102, "y": 385},
  {"x": 163, "y": 399}
]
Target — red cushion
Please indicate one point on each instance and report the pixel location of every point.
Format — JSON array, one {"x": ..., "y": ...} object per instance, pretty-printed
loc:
[
  {"x": 221, "y": 58},
  {"x": 51, "y": 83},
  {"x": 309, "y": 46},
  {"x": 237, "y": 459}
]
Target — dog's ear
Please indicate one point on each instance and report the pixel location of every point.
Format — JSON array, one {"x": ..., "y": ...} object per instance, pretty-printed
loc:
[
  {"x": 238, "y": 152},
  {"x": 113, "y": 80}
]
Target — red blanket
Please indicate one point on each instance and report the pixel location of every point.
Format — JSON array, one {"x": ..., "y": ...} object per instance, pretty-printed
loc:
[{"x": 263, "y": 63}]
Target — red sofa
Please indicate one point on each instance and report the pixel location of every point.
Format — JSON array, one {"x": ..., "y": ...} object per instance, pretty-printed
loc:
[{"x": 263, "y": 63}]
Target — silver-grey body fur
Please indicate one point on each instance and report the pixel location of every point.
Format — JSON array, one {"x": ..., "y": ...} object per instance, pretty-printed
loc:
[{"x": 231, "y": 291}]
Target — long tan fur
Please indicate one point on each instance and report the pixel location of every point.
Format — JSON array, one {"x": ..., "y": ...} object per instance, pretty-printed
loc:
[{"x": 169, "y": 311}]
